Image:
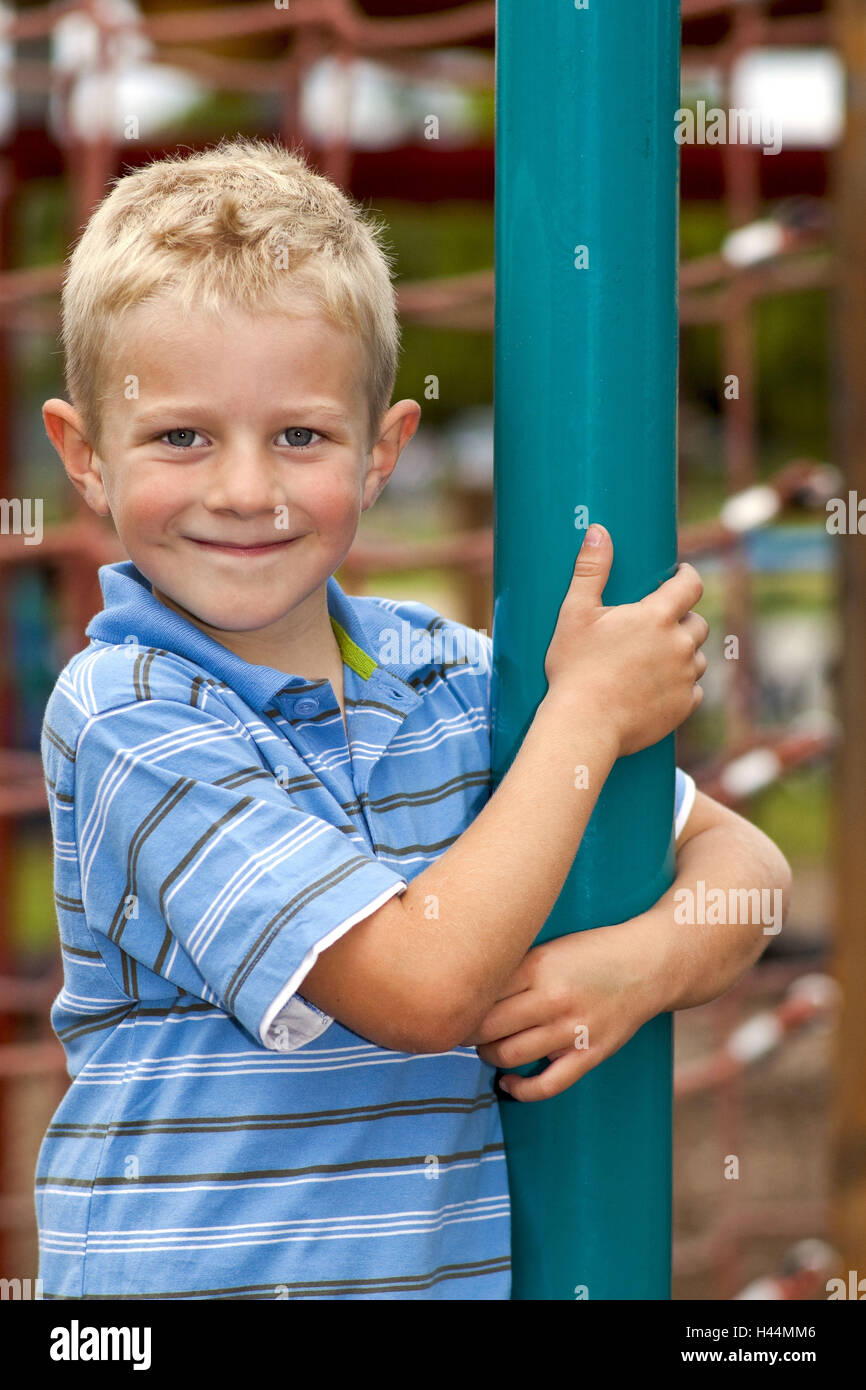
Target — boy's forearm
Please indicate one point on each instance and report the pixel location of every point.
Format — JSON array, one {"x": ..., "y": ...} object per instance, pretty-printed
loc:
[
  {"x": 496, "y": 885},
  {"x": 729, "y": 899}
]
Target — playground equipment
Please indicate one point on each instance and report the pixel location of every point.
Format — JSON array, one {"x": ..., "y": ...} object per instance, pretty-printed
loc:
[{"x": 585, "y": 429}]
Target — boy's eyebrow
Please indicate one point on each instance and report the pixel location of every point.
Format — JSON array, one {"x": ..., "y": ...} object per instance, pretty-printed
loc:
[{"x": 158, "y": 414}]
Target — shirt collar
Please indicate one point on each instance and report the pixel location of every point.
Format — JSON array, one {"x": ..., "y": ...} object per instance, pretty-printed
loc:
[{"x": 131, "y": 613}]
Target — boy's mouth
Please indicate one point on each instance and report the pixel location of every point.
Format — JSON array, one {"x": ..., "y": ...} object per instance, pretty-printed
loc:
[{"x": 231, "y": 548}]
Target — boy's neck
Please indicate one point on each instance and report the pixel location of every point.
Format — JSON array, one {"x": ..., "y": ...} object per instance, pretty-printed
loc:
[{"x": 302, "y": 644}]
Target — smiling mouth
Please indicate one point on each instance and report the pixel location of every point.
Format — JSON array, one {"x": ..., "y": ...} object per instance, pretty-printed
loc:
[{"x": 266, "y": 548}]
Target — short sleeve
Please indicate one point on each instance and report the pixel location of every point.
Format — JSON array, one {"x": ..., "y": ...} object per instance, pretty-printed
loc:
[
  {"x": 684, "y": 800},
  {"x": 196, "y": 864}
]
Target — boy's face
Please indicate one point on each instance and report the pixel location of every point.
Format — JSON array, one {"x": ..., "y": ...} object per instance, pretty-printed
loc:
[{"x": 250, "y": 431}]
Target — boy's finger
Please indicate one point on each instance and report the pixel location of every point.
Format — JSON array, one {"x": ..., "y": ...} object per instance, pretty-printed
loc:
[
  {"x": 561, "y": 1074},
  {"x": 591, "y": 567},
  {"x": 519, "y": 1048},
  {"x": 675, "y": 596},
  {"x": 512, "y": 1015}
]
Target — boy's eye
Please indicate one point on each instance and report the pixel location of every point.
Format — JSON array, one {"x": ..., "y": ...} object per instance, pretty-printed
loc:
[
  {"x": 183, "y": 443},
  {"x": 292, "y": 432}
]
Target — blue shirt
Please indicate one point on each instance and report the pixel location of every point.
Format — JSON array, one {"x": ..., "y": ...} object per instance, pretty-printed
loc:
[{"x": 213, "y": 832}]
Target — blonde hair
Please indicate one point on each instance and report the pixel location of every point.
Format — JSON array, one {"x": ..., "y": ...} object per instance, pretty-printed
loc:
[{"x": 247, "y": 223}]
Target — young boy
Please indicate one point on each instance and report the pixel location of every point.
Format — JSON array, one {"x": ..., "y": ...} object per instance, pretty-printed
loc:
[{"x": 296, "y": 927}]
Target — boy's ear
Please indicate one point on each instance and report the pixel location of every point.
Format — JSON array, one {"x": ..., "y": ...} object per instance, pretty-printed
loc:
[
  {"x": 396, "y": 428},
  {"x": 404, "y": 418},
  {"x": 65, "y": 429}
]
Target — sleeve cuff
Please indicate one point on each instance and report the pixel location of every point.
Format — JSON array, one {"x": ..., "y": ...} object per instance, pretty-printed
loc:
[
  {"x": 687, "y": 804},
  {"x": 290, "y": 1022}
]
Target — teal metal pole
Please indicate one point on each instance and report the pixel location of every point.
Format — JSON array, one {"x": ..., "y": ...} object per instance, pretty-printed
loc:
[{"x": 585, "y": 417}]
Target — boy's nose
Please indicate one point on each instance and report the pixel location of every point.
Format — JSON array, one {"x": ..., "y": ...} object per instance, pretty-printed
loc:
[{"x": 244, "y": 481}]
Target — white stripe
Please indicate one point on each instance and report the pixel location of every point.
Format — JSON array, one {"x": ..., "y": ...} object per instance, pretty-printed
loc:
[
  {"x": 256, "y": 1053},
  {"x": 308, "y": 1063},
  {"x": 96, "y": 1246},
  {"x": 263, "y": 862},
  {"x": 310, "y": 1227},
  {"x": 292, "y": 1062},
  {"x": 369, "y": 1218},
  {"x": 123, "y": 764},
  {"x": 67, "y": 1000}
]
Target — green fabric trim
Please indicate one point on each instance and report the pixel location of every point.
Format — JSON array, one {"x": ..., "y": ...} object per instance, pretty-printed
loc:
[{"x": 353, "y": 655}]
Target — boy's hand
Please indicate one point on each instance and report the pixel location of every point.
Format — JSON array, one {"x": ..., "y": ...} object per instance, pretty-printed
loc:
[
  {"x": 636, "y": 664},
  {"x": 576, "y": 1000}
]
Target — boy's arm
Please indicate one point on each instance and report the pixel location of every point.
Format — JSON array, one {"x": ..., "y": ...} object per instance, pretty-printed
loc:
[
  {"x": 718, "y": 849},
  {"x": 430, "y": 967},
  {"x": 578, "y": 999},
  {"x": 197, "y": 868},
  {"x": 423, "y": 969}
]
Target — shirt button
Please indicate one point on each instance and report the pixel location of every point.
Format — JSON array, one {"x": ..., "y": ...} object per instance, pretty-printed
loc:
[{"x": 306, "y": 705}]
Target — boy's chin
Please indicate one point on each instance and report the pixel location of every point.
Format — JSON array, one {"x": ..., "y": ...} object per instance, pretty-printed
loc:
[{"x": 230, "y": 617}]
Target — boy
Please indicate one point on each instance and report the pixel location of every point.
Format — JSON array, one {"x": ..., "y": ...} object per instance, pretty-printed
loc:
[{"x": 296, "y": 928}]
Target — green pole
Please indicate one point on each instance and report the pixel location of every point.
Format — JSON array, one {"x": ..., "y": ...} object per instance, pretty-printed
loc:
[{"x": 585, "y": 417}]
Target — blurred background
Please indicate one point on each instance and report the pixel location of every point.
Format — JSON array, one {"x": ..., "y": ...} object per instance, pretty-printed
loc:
[{"x": 772, "y": 385}]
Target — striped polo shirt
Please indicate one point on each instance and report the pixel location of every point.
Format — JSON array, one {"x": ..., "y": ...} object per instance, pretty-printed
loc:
[{"x": 214, "y": 831}]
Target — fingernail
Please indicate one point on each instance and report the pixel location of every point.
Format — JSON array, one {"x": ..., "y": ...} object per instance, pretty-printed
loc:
[{"x": 594, "y": 535}]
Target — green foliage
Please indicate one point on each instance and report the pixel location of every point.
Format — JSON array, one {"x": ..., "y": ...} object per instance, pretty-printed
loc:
[
  {"x": 702, "y": 229},
  {"x": 792, "y": 352},
  {"x": 219, "y": 113},
  {"x": 39, "y": 229},
  {"x": 430, "y": 242},
  {"x": 793, "y": 389},
  {"x": 32, "y": 919},
  {"x": 795, "y": 813}
]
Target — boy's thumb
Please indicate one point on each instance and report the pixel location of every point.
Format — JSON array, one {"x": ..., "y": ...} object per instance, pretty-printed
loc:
[{"x": 593, "y": 560}]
